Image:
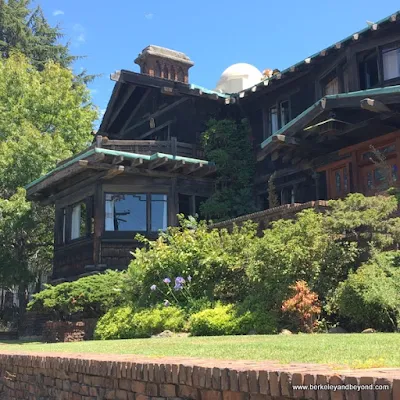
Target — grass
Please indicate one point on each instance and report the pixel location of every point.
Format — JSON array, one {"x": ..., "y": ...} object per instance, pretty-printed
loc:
[{"x": 353, "y": 350}]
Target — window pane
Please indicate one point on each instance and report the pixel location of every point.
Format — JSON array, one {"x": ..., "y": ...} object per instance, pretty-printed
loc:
[
  {"x": 273, "y": 120},
  {"x": 76, "y": 221},
  {"x": 125, "y": 212},
  {"x": 338, "y": 182},
  {"x": 83, "y": 219},
  {"x": 284, "y": 106},
  {"x": 159, "y": 212},
  {"x": 391, "y": 65}
]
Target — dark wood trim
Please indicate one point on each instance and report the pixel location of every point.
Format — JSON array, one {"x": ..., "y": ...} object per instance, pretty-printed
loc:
[{"x": 129, "y": 90}]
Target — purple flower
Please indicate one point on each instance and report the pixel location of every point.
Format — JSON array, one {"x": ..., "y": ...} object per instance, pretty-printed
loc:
[
  {"x": 189, "y": 278},
  {"x": 166, "y": 303},
  {"x": 153, "y": 287},
  {"x": 179, "y": 280},
  {"x": 167, "y": 281},
  {"x": 177, "y": 287}
]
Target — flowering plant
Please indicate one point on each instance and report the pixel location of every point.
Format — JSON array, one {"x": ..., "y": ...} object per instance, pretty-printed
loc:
[{"x": 170, "y": 293}]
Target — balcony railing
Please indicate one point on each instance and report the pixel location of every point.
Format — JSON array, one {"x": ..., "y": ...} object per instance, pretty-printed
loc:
[{"x": 149, "y": 147}]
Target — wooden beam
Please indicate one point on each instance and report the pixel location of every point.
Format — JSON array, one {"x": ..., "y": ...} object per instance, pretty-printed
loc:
[
  {"x": 275, "y": 155},
  {"x": 156, "y": 114},
  {"x": 114, "y": 171},
  {"x": 137, "y": 162},
  {"x": 177, "y": 165},
  {"x": 291, "y": 141},
  {"x": 206, "y": 170},
  {"x": 135, "y": 110},
  {"x": 157, "y": 128},
  {"x": 374, "y": 106},
  {"x": 118, "y": 160},
  {"x": 157, "y": 163},
  {"x": 193, "y": 168},
  {"x": 129, "y": 90}
]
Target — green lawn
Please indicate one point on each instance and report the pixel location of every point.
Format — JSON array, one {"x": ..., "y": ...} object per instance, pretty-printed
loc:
[{"x": 354, "y": 350}]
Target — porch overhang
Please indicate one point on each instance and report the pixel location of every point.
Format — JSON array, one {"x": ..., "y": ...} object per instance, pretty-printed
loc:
[
  {"x": 111, "y": 163},
  {"x": 296, "y": 133}
]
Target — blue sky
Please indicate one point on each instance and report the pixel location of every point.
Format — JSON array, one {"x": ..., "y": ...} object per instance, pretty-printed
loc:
[{"x": 213, "y": 33}]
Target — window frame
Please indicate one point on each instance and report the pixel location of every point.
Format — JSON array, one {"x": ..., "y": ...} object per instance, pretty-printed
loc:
[
  {"x": 267, "y": 120},
  {"x": 148, "y": 231}
]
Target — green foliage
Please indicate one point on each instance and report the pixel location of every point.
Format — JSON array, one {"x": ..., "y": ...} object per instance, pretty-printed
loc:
[
  {"x": 215, "y": 259},
  {"x": 227, "y": 143},
  {"x": 45, "y": 116},
  {"x": 125, "y": 323},
  {"x": 370, "y": 297},
  {"x": 231, "y": 320},
  {"x": 28, "y": 31},
  {"x": 92, "y": 296}
]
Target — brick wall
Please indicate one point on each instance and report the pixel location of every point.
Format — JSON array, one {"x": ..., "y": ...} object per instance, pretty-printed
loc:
[
  {"x": 65, "y": 331},
  {"x": 34, "y": 377}
]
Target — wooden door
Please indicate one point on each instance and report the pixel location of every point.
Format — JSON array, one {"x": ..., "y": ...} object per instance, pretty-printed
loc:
[{"x": 339, "y": 182}]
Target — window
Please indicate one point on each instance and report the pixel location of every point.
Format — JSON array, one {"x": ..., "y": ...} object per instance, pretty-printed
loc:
[
  {"x": 159, "y": 212},
  {"x": 180, "y": 75},
  {"x": 284, "y": 109},
  {"x": 172, "y": 74},
  {"x": 273, "y": 120},
  {"x": 332, "y": 87},
  {"x": 126, "y": 212},
  {"x": 391, "y": 63},
  {"x": 136, "y": 212},
  {"x": 78, "y": 221},
  {"x": 369, "y": 76},
  {"x": 165, "y": 72},
  {"x": 157, "y": 70}
]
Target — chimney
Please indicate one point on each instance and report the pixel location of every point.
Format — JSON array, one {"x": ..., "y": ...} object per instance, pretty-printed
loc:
[{"x": 164, "y": 63}]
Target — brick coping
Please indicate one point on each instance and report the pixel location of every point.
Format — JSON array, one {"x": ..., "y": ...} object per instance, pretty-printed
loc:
[{"x": 238, "y": 365}]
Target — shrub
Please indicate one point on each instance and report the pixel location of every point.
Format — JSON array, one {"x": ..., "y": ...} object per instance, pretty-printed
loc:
[
  {"x": 230, "y": 320},
  {"x": 125, "y": 323},
  {"x": 303, "y": 307},
  {"x": 93, "y": 296},
  {"x": 370, "y": 298}
]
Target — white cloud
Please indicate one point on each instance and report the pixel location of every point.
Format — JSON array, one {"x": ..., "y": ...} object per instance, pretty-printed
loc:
[
  {"x": 149, "y": 15},
  {"x": 94, "y": 91},
  {"x": 58, "y": 12},
  {"x": 79, "y": 34}
]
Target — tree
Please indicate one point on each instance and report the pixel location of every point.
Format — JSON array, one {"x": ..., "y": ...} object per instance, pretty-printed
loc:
[
  {"x": 227, "y": 144},
  {"x": 45, "y": 116},
  {"x": 28, "y": 31}
]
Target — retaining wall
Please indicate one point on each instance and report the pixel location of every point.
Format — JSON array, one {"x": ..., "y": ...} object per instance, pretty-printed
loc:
[{"x": 91, "y": 377}]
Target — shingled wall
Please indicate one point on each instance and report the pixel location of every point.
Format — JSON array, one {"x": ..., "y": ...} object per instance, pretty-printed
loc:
[{"x": 61, "y": 376}]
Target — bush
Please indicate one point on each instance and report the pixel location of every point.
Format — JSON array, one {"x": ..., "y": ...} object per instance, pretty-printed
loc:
[
  {"x": 93, "y": 296},
  {"x": 370, "y": 298},
  {"x": 125, "y": 323},
  {"x": 230, "y": 320}
]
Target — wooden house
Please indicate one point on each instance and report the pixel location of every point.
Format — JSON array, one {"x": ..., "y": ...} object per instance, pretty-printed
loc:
[{"x": 319, "y": 126}]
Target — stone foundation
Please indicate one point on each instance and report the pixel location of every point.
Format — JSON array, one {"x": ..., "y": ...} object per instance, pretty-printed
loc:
[{"x": 91, "y": 377}]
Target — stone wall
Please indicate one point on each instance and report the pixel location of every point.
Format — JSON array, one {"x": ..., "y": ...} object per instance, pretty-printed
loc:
[{"x": 60, "y": 376}]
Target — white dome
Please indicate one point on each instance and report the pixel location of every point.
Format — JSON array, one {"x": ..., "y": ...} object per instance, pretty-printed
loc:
[{"x": 238, "y": 77}]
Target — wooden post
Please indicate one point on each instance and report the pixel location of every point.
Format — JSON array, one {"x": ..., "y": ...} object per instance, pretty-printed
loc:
[
  {"x": 99, "y": 211},
  {"x": 315, "y": 175},
  {"x": 174, "y": 146}
]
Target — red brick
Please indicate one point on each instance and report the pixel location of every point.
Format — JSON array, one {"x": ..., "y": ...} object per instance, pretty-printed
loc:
[
  {"x": 151, "y": 389},
  {"x": 141, "y": 397},
  {"x": 352, "y": 394},
  {"x": 188, "y": 392},
  {"x": 121, "y": 395},
  {"x": 175, "y": 372},
  {"x": 125, "y": 384},
  {"x": 297, "y": 380},
  {"x": 263, "y": 382},
  {"x": 396, "y": 389},
  {"x": 229, "y": 395},
  {"x": 322, "y": 394},
  {"x": 225, "y": 379},
  {"x": 367, "y": 394},
  {"x": 182, "y": 374},
  {"x": 253, "y": 382},
  {"x": 216, "y": 378},
  {"x": 243, "y": 381},
  {"x": 336, "y": 394},
  {"x": 310, "y": 380},
  {"x": 210, "y": 395},
  {"x": 274, "y": 383},
  {"x": 139, "y": 387},
  {"x": 383, "y": 394},
  {"x": 167, "y": 390},
  {"x": 286, "y": 384}
]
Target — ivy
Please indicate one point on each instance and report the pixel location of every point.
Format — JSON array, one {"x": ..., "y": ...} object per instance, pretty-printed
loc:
[{"x": 227, "y": 143}]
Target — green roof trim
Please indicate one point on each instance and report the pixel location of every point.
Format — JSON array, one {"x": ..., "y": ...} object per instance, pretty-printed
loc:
[
  {"x": 125, "y": 154},
  {"x": 346, "y": 39},
  {"x": 208, "y": 91},
  {"x": 360, "y": 93}
]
